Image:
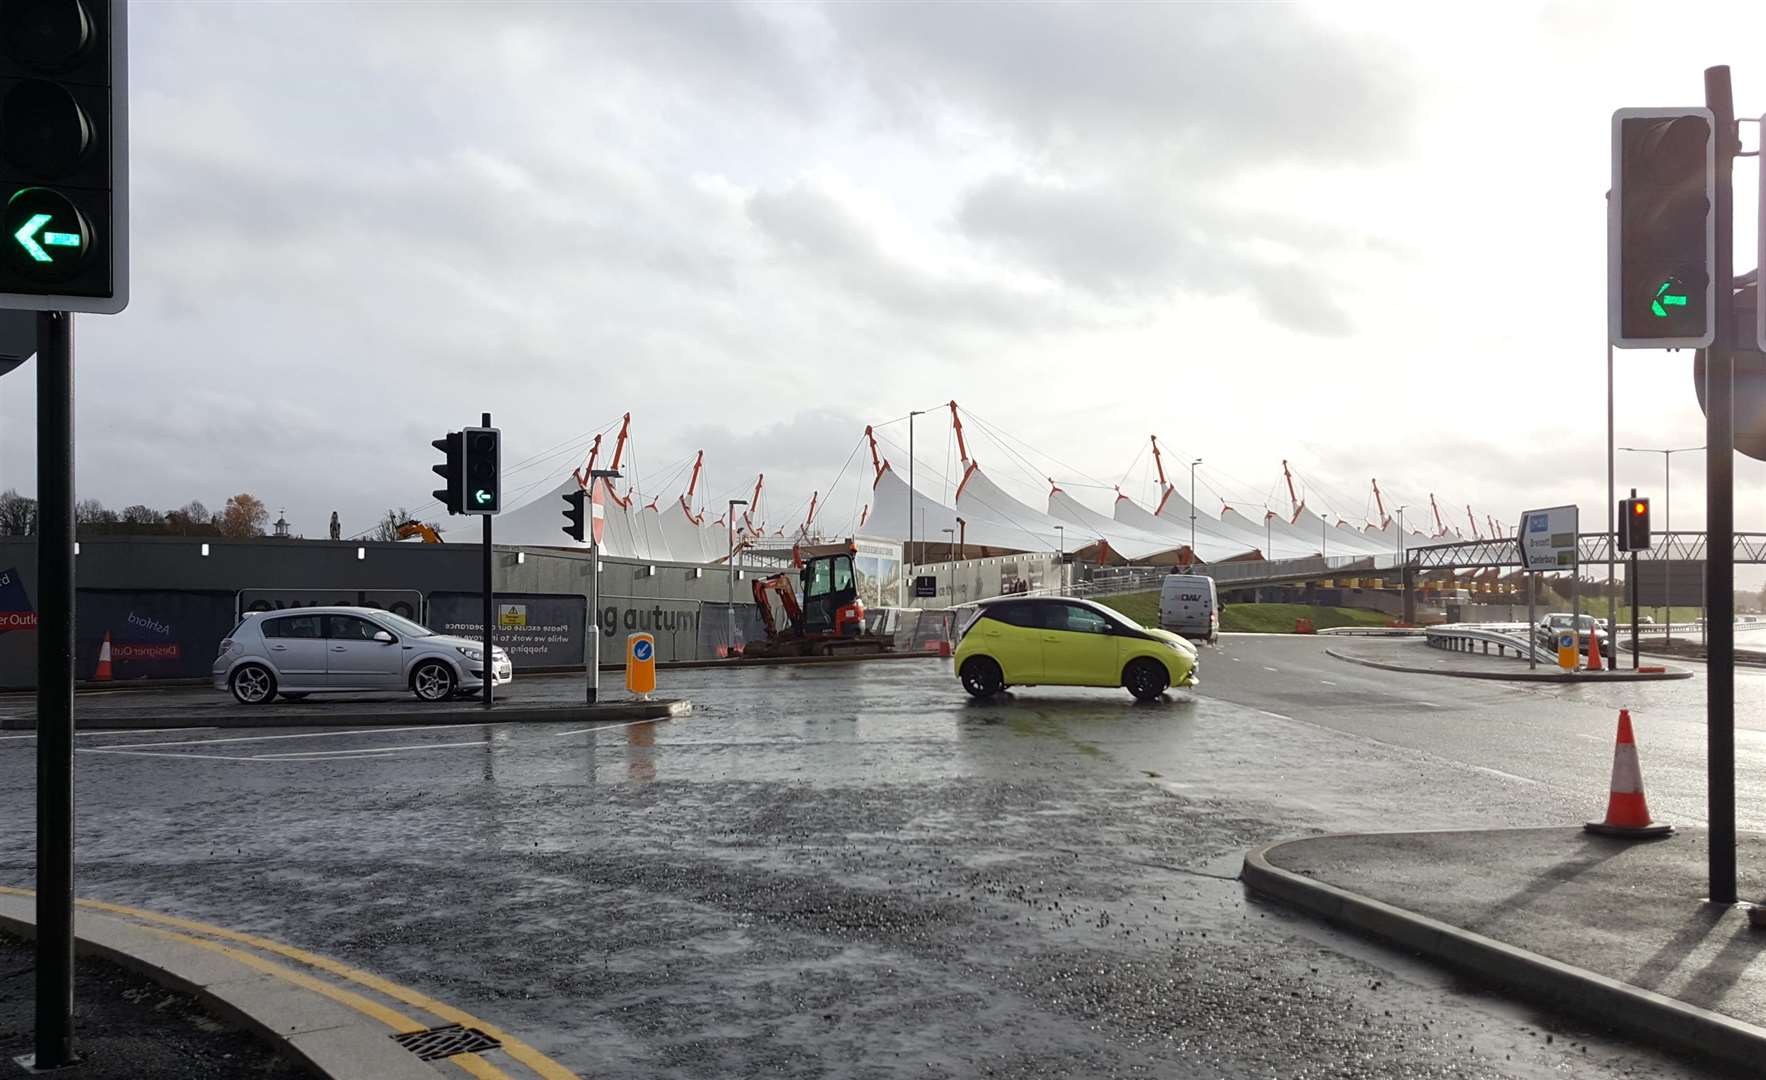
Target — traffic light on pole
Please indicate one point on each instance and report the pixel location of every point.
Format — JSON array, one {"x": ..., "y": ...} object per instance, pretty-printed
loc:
[
  {"x": 1634, "y": 532},
  {"x": 453, "y": 476},
  {"x": 483, "y": 470},
  {"x": 575, "y": 507},
  {"x": 1661, "y": 229},
  {"x": 64, "y": 155}
]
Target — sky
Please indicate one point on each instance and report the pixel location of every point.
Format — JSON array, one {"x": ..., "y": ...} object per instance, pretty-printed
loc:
[{"x": 1367, "y": 239}]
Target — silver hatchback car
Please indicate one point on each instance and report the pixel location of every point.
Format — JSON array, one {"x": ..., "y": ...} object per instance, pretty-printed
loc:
[{"x": 316, "y": 649}]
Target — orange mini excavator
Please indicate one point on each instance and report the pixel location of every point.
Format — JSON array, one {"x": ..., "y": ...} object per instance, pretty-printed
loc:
[{"x": 830, "y": 621}]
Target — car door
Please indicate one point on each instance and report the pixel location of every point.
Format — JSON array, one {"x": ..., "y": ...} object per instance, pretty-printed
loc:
[
  {"x": 354, "y": 660},
  {"x": 295, "y": 644},
  {"x": 1078, "y": 648},
  {"x": 1008, "y": 632}
]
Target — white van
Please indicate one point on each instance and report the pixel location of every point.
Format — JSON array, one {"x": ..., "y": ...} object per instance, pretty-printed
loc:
[{"x": 1189, "y": 605}]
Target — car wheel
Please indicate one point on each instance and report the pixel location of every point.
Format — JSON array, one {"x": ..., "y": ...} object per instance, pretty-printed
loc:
[
  {"x": 1146, "y": 679},
  {"x": 300, "y": 696},
  {"x": 253, "y": 684},
  {"x": 433, "y": 681},
  {"x": 982, "y": 677}
]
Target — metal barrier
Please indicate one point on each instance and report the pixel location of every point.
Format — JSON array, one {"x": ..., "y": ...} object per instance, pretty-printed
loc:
[{"x": 1457, "y": 638}]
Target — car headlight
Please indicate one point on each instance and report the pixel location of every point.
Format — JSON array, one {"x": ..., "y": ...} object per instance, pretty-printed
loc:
[{"x": 469, "y": 653}]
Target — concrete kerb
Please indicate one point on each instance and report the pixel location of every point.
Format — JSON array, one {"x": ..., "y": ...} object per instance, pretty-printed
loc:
[
  {"x": 302, "y": 716},
  {"x": 1594, "y": 997},
  {"x": 1547, "y": 676},
  {"x": 331, "y": 1041}
]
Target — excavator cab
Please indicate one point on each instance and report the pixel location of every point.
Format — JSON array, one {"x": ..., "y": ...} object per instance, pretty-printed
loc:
[{"x": 830, "y": 596}]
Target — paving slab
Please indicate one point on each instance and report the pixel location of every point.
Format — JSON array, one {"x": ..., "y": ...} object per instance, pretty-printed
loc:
[{"x": 1618, "y": 931}]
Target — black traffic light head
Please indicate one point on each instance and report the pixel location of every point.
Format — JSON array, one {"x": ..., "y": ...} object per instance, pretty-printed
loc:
[
  {"x": 453, "y": 476},
  {"x": 1661, "y": 229},
  {"x": 483, "y": 493},
  {"x": 1634, "y": 531},
  {"x": 575, "y": 501},
  {"x": 64, "y": 155}
]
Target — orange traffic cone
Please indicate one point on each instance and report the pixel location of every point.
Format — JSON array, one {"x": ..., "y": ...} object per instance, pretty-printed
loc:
[
  {"x": 1594, "y": 654},
  {"x": 1627, "y": 813},
  {"x": 103, "y": 672}
]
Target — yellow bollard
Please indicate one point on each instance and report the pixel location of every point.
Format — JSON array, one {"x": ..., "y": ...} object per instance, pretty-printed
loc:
[{"x": 640, "y": 664}]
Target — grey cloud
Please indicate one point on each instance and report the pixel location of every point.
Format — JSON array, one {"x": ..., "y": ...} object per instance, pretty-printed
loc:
[
  {"x": 1138, "y": 244},
  {"x": 1221, "y": 84}
]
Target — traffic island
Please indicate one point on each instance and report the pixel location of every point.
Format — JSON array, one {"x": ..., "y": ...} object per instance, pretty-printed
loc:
[
  {"x": 226, "y": 713},
  {"x": 335, "y": 1021},
  {"x": 1473, "y": 666},
  {"x": 1614, "y": 931}
]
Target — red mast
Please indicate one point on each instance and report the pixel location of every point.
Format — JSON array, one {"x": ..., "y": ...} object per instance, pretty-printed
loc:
[
  {"x": 1440, "y": 526},
  {"x": 582, "y": 475},
  {"x": 1293, "y": 498},
  {"x": 969, "y": 467},
  {"x": 625, "y": 429},
  {"x": 692, "y": 484},
  {"x": 809, "y": 519},
  {"x": 877, "y": 461},
  {"x": 1380, "y": 505},
  {"x": 753, "y": 504},
  {"x": 1164, "y": 485}
]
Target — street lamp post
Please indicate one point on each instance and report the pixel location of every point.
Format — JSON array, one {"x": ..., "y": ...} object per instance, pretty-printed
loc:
[
  {"x": 950, "y": 544},
  {"x": 908, "y": 551},
  {"x": 730, "y": 566},
  {"x": 1061, "y": 556},
  {"x": 1667, "y": 518},
  {"x": 1193, "y": 465}
]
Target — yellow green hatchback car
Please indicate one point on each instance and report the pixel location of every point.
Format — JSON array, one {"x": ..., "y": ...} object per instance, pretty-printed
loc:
[{"x": 1061, "y": 641}]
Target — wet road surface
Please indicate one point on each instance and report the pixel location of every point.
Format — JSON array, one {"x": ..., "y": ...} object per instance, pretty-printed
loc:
[{"x": 853, "y": 871}]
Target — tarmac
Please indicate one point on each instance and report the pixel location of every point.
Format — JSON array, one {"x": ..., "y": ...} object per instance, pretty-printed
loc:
[
  {"x": 1616, "y": 931},
  {"x": 144, "y": 712}
]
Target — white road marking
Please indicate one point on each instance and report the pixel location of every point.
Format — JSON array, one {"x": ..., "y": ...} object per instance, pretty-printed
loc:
[
  {"x": 366, "y": 750},
  {"x": 1237, "y": 660},
  {"x": 1327, "y": 682},
  {"x": 267, "y": 738},
  {"x": 1429, "y": 704},
  {"x": 150, "y": 753},
  {"x": 611, "y": 727},
  {"x": 1266, "y": 667},
  {"x": 102, "y": 731}
]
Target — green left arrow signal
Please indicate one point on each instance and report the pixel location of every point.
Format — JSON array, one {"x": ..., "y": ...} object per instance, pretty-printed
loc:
[
  {"x": 27, "y": 237},
  {"x": 1664, "y": 300},
  {"x": 482, "y": 496}
]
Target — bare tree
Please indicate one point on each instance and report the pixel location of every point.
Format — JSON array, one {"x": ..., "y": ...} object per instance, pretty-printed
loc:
[
  {"x": 18, "y": 515},
  {"x": 197, "y": 513},
  {"x": 245, "y": 515},
  {"x": 142, "y": 515},
  {"x": 388, "y": 528},
  {"x": 93, "y": 512}
]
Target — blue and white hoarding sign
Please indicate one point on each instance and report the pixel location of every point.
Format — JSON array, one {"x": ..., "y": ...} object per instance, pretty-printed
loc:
[{"x": 1548, "y": 538}]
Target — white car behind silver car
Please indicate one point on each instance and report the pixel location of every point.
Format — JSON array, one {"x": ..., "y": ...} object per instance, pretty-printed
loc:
[{"x": 311, "y": 650}]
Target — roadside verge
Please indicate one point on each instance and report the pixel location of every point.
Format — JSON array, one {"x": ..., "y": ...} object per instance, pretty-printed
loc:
[{"x": 366, "y": 714}]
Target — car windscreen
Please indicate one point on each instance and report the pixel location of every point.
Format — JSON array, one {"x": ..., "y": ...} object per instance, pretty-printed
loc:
[{"x": 403, "y": 625}]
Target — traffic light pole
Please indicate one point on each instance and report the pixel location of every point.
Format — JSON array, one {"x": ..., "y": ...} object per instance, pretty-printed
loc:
[
  {"x": 490, "y": 666},
  {"x": 1632, "y": 574},
  {"x": 1720, "y": 506},
  {"x": 55, "y": 691}
]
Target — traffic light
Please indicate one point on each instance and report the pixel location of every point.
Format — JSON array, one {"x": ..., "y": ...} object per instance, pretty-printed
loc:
[
  {"x": 575, "y": 502},
  {"x": 1634, "y": 524},
  {"x": 453, "y": 476},
  {"x": 1661, "y": 229},
  {"x": 64, "y": 155},
  {"x": 483, "y": 493}
]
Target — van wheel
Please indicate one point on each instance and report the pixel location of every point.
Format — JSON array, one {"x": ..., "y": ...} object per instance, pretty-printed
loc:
[
  {"x": 982, "y": 677},
  {"x": 1146, "y": 679}
]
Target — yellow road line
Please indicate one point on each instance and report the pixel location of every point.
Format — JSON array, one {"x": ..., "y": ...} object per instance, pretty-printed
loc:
[
  {"x": 398, "y": 1021},
  {"x": 515, "y": 1048}
]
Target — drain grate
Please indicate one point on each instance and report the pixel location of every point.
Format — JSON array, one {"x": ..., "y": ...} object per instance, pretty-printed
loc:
[{"x": 445, "y": 1041}]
